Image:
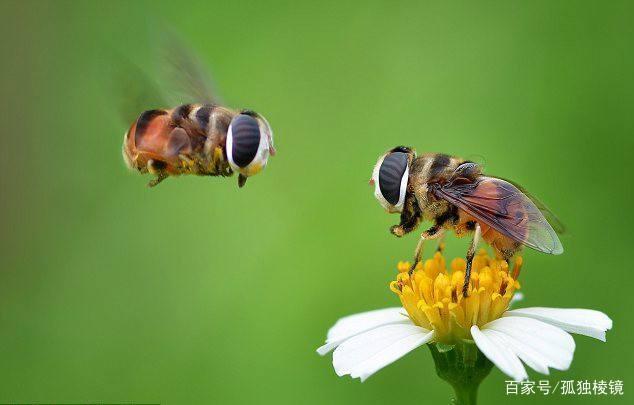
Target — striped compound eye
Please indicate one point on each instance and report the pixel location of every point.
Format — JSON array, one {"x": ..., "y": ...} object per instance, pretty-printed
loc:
[
  {"x": 243, "y": 140},
  {"x": 247, "y": 149},
  {"x": 390, "y": 179}
]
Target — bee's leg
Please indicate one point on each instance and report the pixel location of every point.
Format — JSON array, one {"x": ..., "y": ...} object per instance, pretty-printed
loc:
[
  {"x": 507, "y": 253},
  {"x": 441, "y": 243},
  {"x": 242, "y": 179},
  {"x": 432, "y": 233},
  {"x": 157, "y": 180},
  {"x": 158, "y": 169},
  {"x": 470, "y": 255},
  {"x": 517, "y": 267},
  {"x": 410, "y": 217}
]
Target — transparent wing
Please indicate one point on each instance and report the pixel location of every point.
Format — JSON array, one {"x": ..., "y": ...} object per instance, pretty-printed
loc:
[
  {"x": 555, "y": 222},
  {"x": 185, "y": 78},
  {"x": 504, "y": 207},
  {"x": 164, "y": 74}
]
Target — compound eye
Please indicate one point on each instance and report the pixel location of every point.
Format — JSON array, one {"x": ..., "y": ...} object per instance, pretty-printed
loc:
[
  {"x": 243, "y": 140},
  {"x": 391, "y": 176}
]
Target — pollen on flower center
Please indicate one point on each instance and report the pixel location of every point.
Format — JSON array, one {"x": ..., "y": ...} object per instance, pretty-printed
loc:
[{"x": 433, "y": 298}]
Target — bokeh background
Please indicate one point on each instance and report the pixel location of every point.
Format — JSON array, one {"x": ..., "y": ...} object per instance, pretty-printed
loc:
[{"x": 197, "y": 291}]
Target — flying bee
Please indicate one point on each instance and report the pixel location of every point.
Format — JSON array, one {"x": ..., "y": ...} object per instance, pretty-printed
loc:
[
  {"x": 455, "y": 195},
  {"x": 200, "y": 137}
]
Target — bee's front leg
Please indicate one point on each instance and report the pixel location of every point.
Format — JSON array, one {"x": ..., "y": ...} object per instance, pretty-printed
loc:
[
  {"x": 157, "y": 180},
  {"x": 158, "y": 169},
  {"x": 441, "y": 243},
  {"x": 470, "y": 255},
  {"x": 410, "y": 217},
  {"x": 434, "y": 232}
]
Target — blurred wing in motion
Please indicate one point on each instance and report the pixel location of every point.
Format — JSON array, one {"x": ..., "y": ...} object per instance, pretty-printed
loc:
[
  {"x": 165, "y": 74},
  {"x": 505, "y": 208},
  {"x": 186, "y": 79},
  {"x": 134, "y": 91}
]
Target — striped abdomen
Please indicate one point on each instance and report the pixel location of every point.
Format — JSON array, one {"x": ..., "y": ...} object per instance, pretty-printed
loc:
[{"x": 181, "y": 139}]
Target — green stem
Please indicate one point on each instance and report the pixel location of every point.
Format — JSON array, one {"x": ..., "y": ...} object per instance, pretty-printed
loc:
[
  {"x": 464, "y": 367},
  {"x": 465, "y": 395}
]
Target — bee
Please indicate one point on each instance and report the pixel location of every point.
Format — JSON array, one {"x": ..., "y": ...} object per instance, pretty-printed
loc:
[
  {"x": 200, "y": 139},
  {"x": 200, "y": 136},
  {"x": 454, "y": 194}
]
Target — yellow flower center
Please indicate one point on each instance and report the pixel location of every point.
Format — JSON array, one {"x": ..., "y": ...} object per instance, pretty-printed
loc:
[{"x": 433, "y": 297}]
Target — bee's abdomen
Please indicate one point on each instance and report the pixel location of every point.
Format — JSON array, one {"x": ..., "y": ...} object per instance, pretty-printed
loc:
[
  {"x": 150, "y": 137},
  {"x": 146, "y": 122}
]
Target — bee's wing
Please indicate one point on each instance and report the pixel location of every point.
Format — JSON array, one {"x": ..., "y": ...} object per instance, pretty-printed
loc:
[
  {"x": 134, "y": 90},
  {"x": 166, "y": 74},
  {"x": 186, "y": 79},
  {"x": 555, "y": 222},
  {"x": 477, "y": 159},
  {"x": 505, "y": 208}
]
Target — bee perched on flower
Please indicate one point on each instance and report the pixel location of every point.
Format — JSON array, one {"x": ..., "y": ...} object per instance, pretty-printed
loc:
[{"x": 465, "y": 334}]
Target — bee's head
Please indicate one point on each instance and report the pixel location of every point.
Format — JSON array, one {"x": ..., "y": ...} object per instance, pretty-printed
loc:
[
  {"x": 390, "y": 177},
  {"x": 249, "y": 144}
]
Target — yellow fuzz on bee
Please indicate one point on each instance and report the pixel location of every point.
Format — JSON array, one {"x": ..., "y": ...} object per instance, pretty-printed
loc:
[
  {"x": 253, "y": 169},
  {"x": 218, "y": 154},
  {"x": 433, "y": 297}
]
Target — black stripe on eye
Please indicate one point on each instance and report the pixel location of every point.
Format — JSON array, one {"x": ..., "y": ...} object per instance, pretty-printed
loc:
[
  {"x": 390, "y": 176},
  {"x": 144, "y": 121},
  {"x": 246, "y": 139}
]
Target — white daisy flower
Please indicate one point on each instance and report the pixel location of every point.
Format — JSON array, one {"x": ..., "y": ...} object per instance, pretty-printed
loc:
[{"x": 434, "y": 311}]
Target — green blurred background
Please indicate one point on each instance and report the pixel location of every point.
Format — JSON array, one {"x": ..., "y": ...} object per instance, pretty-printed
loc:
[{"x": 197, "y": 291}]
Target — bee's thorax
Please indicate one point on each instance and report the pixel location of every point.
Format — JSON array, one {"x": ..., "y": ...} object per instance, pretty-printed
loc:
[{"x": 431, "y": 168}]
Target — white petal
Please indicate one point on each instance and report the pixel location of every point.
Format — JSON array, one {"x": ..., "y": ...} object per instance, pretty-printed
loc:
[
  {"x": 364, "y": 354},
  {"x": 527, "y": 354},
  {"x": 498, "y": 352},
  {"x": 352, "y": 325},
  {"x": 582, "y": 321},
  {"x": 529, "y": 336}
]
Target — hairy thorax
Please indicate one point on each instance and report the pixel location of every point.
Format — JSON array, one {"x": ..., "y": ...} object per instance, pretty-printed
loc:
[{"x": 428, "y": 168}]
